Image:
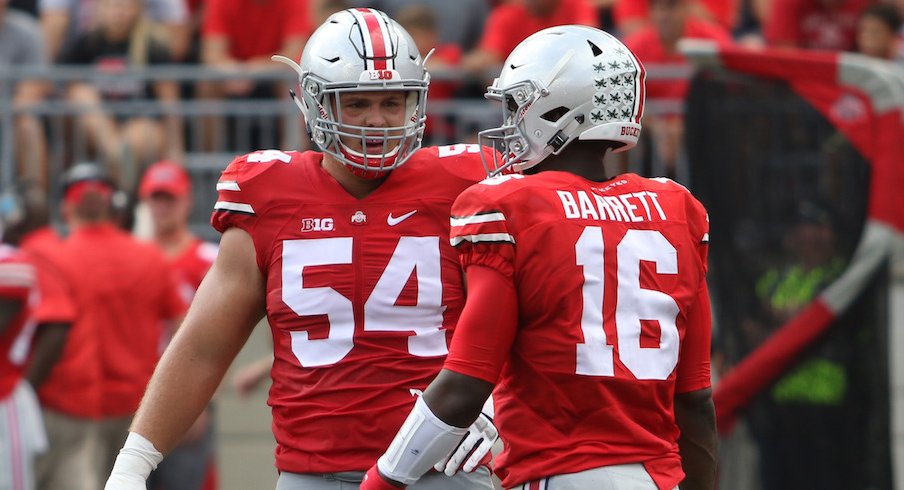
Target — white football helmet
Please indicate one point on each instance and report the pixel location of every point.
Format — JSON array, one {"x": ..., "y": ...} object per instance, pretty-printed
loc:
[
  {"x": 561, "y": 84},
  {"x": 361, "y": 49}
]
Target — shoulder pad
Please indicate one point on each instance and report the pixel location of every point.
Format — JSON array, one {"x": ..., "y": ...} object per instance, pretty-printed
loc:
[
  {"x": 670, "y": 183},
  {"x": 251, "y": 165},
  {"x": 246, "y": 185},
  {"x": 462, "y": 160}
]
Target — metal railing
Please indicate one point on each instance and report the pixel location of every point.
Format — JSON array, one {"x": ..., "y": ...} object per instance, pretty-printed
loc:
[
  {"x": 465, "y": 115},
  {"x": 243, "y": 124}
]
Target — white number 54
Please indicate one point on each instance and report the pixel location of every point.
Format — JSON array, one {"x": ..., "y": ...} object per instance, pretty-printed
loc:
[{"x": 419, "y": 255}]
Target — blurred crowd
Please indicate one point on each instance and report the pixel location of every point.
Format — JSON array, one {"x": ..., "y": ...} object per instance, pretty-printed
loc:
[{"x": 236, "y": 37}]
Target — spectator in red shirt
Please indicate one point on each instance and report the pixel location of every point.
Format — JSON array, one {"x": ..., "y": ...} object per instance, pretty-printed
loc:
[
  {"x": 513, "y": 21},
  {"x": 239, "y": 36},
  {"x": 877, "y": 31},
  {"x": 421, "y": 23},
  {"x": 631, "y": 15},
  {"x": 814, "y": 24},
  {"x": 166, "y": 189},
  {"x": 657, "y": 44},
  {"x": 123, "y": 290}
]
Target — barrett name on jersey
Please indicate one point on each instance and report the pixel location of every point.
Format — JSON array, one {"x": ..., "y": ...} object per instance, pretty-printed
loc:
[
  {"x": 602, "y": 322},
  {"x": 362, "y": 294}
]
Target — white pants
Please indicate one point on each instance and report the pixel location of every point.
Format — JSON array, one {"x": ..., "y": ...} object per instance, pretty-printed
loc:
[
  {"x": 615, "y": 477},
  {"x": 479, "y": 479},
  {"x": 22, "y": 437}
]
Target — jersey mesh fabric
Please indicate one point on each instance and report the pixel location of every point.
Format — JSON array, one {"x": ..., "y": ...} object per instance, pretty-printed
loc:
[
  {"x": 362, "y": 294},
  {"x": 535, "y": 230}
]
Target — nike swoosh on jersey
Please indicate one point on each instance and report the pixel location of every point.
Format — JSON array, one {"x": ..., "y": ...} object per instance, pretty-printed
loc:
[{"x": 392, "y": 220}]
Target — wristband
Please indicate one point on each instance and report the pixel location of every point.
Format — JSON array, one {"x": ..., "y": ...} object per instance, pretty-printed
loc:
[
  {"x": 137, "y": 457},
  {"x": 373, "y": 481}
]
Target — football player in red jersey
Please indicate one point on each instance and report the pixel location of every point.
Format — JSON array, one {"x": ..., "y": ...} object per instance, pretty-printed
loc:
[
  {"x": 34, "y": 305},
  {"x": 587, "y": 306},
  {"x": 22, "y": 435},
  {"x": 346, "y": 251}
]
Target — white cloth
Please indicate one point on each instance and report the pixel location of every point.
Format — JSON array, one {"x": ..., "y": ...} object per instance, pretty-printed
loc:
[{"x": 22, "y": 437}]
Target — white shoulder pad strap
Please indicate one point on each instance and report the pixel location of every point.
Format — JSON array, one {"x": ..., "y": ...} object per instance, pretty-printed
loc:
[{"x": 421, "y": 442}]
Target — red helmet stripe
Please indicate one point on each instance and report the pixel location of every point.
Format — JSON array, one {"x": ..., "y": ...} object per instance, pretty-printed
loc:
[
  {"x": 641, "y": 90},
  {"x": 377, "y": 37}
]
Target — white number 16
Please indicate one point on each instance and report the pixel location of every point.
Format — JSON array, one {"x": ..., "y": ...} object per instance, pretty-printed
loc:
[{"x": 595, "y": 357}]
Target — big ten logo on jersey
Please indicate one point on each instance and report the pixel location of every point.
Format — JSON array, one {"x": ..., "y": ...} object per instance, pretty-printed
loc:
[
  {"x": 455, "y": 150},
  {"x": 266, "y": 156},
  {"x": 317, "y": 224}
]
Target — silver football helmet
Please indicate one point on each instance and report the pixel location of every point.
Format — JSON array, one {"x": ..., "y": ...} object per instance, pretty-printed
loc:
[
  {"x": 356, "y": 50},
  {"x": 561, "y": 84}
]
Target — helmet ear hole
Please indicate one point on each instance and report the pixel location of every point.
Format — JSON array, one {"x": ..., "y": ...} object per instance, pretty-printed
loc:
[{"x": 554, "y": 115}]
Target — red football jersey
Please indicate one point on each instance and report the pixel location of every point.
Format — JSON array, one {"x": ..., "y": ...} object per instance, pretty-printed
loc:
[
  {"x": 17, "y": 283},
  {"x": 613, "y": 317},
  {"x": 192, "y": 265},
  {"x": 362, "y": 294},
  {"x": 189, "y": 269},
  {"x": 123, "y": 290}
]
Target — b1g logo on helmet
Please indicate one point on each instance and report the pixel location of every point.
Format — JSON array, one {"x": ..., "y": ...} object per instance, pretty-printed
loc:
[
  {"x": 381, "y": 74},
  {"x": 316, "y": 224}
]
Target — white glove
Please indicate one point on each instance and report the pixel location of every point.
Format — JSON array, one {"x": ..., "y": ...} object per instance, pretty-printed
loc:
[
  {"x": 482, "y": 434},
  {"x": 135, "y": 462}
]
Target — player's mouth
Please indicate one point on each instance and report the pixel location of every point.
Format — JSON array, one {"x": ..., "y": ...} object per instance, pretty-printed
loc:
[{"x": 374, "y": 145}]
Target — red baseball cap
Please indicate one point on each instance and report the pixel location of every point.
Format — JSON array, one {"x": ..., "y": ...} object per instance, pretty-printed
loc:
[{"x": 167, "y": 177}]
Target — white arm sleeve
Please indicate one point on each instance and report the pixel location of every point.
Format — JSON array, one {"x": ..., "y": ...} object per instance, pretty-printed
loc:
[{"x": 423, "y": 440}]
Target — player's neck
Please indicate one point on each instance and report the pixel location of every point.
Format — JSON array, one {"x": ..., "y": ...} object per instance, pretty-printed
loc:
[
  {"x": 175, "y": 241},
  {"x": 584, "y": 159},
  {"x": 357, "y": 187}
]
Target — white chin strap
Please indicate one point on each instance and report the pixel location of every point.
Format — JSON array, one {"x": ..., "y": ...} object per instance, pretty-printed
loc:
[{"x": 422, "y": 441}]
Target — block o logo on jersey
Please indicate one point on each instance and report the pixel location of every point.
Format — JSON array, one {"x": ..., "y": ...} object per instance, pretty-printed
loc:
[
  {"x": 316, "y": 224},
  {"x": 359, "y": 218}
]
